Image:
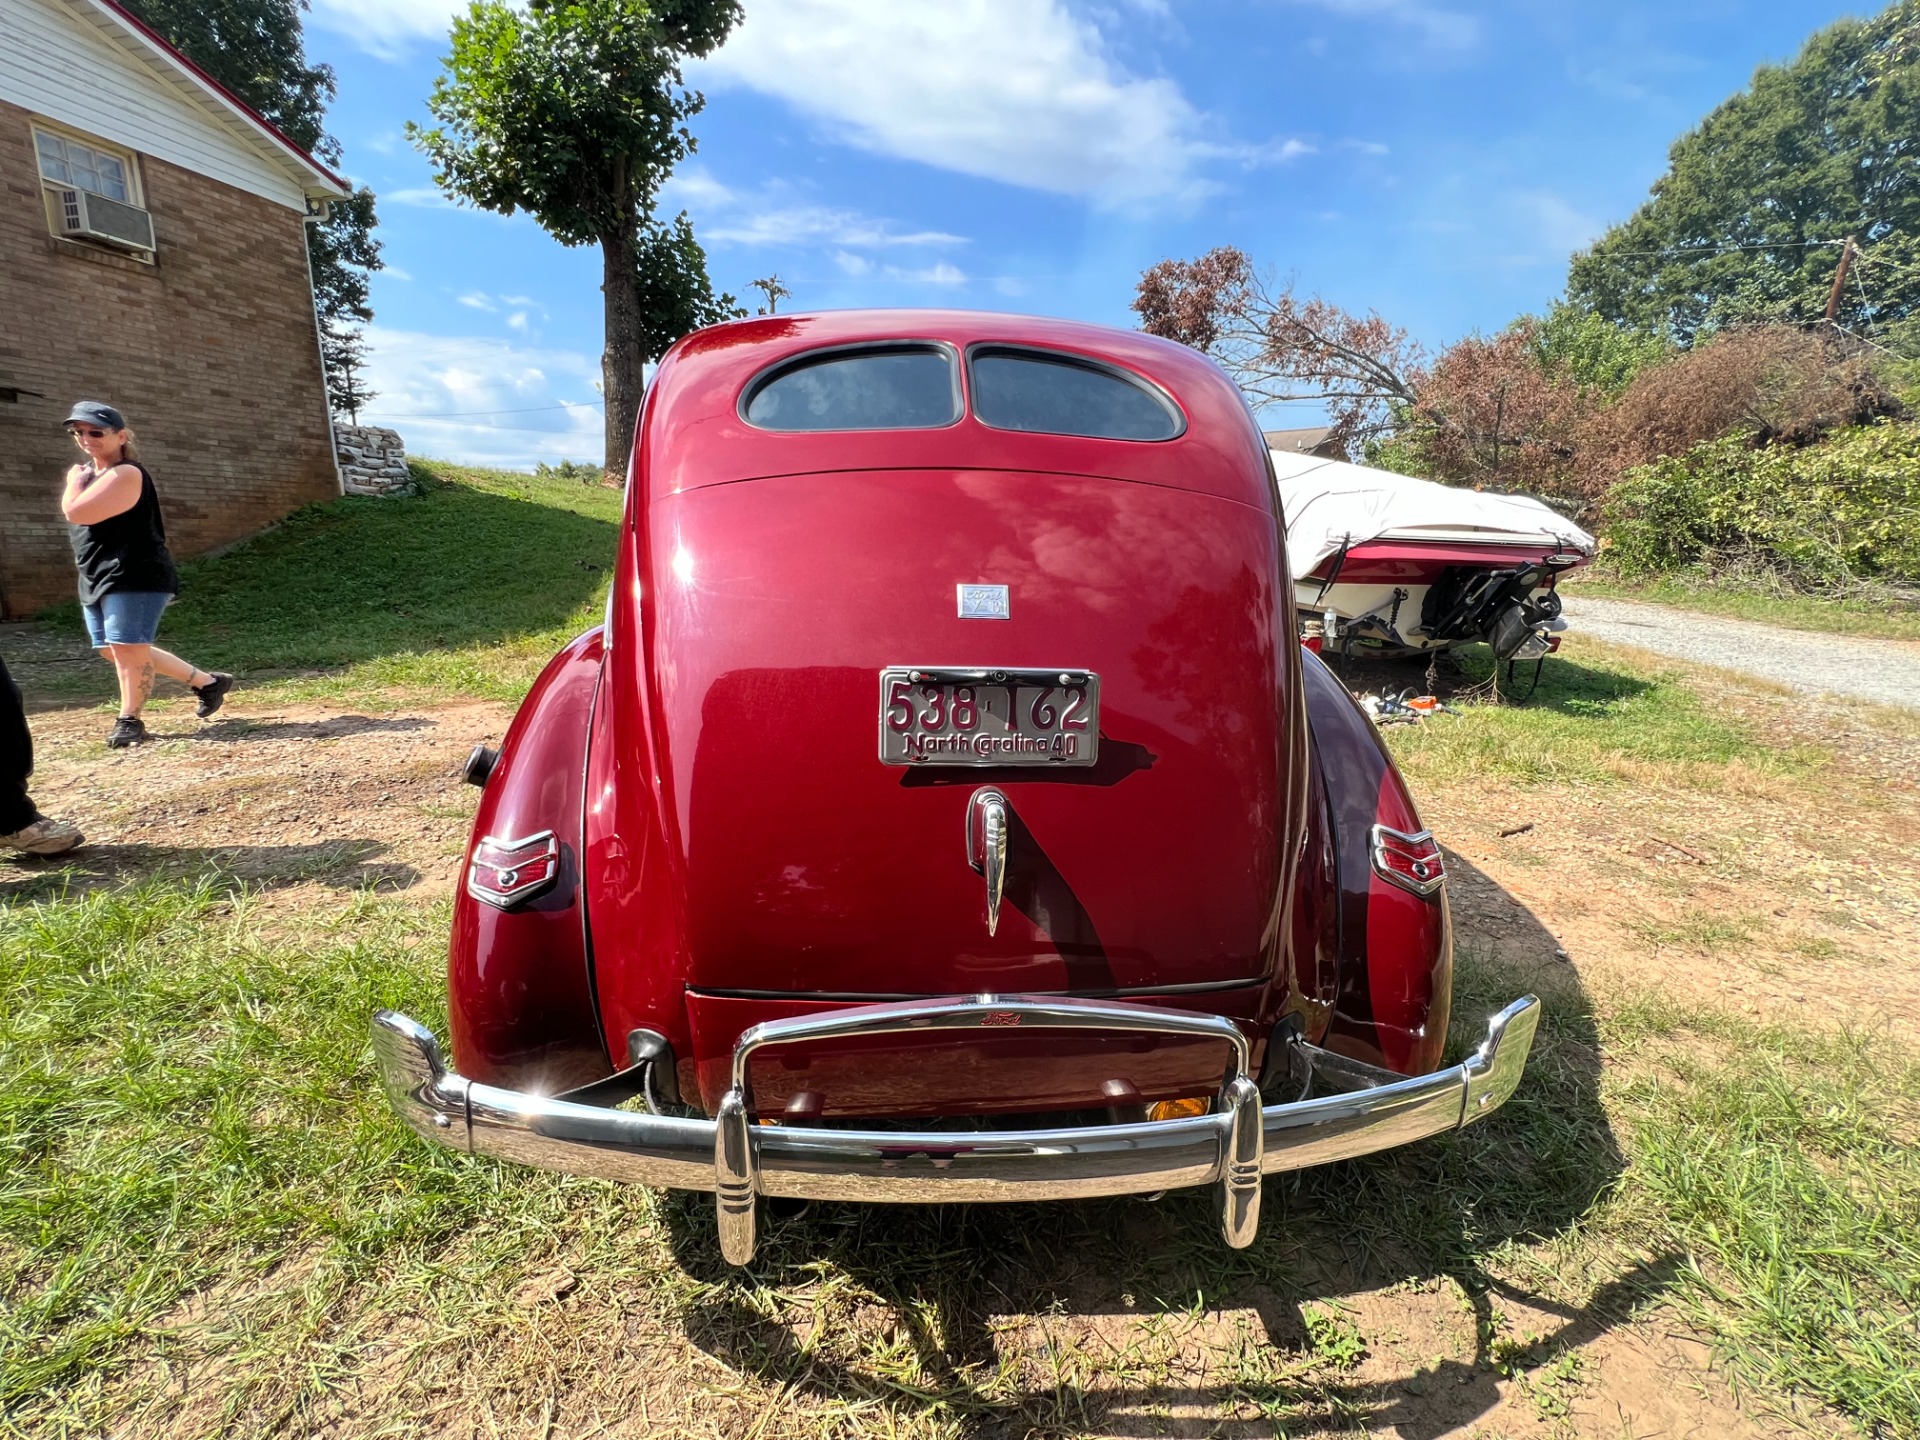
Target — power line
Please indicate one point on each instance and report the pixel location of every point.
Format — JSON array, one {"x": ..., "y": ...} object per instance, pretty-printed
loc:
[
  {"x": 516, "y": 429},
  {"x": 1715, "y": 249}
]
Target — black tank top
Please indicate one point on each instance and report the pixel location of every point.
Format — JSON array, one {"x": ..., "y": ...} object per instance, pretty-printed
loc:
[{"x": 127, "y": 551}]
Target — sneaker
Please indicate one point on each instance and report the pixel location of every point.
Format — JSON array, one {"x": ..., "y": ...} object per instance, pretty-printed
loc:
[
  {"x": 44, "y": 837},
  {"x": 212, "y": 693},
  {"x": 127, "y": 730}
]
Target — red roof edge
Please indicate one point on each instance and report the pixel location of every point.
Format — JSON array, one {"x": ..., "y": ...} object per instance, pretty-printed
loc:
[{"x": 173, "y": 52}]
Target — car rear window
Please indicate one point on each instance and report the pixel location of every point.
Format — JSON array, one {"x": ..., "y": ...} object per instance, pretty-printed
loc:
[
  {"x": 902, "y": 387},
  {"x": 1059, "y": 395}
]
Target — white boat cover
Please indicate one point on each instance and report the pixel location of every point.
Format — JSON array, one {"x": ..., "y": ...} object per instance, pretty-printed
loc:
[{"x": 1330, "y": 505}]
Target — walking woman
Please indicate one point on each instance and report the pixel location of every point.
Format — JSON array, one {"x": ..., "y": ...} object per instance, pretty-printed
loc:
[{"x": 126, "y": 575}]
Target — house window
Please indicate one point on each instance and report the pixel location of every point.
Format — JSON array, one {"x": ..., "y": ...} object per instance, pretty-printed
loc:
[
  {"x": 92, "y": 194},
  {"x": 65, "y": 161}
]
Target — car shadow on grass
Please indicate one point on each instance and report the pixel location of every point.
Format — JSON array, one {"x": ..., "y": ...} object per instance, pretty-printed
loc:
[
  {"x": 337, "y": 864},
  {"x": 1024, "y": 1318}
]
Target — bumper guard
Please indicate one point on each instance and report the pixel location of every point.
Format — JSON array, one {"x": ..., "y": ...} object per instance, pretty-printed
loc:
[{"x": 739, "y": 1160}]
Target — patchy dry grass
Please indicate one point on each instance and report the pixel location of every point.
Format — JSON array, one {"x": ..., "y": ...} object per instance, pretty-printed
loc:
[{"x": 208, "y": 1222}]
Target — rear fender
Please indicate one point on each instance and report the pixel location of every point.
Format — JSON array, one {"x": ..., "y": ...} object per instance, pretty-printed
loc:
[
  {"x": 520, "y": 980},
  {"x": 1373, "y": 961}
]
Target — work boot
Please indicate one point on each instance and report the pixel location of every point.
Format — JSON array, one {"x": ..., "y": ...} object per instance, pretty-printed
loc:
[
  {"x": 127, "y": 730},
  {"x": 212, "y": 693},
  {"x": 44, "y": 837}
]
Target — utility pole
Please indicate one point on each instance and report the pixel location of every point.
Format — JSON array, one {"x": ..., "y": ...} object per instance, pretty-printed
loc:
[
  {"x": 773, "y": 290},
  {"x": 1839, "y": 280}
]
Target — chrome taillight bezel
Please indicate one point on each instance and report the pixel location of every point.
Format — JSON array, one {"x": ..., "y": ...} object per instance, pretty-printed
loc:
[
  {"x": 519, "y": 870},
  {"x": 1425, "y": 871}
]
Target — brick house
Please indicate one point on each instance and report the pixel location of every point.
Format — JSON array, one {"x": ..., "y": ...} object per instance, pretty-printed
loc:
[{"x": 152, "y": 255}]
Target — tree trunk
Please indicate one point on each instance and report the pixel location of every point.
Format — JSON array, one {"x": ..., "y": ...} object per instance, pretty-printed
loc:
[{"x": 622, "y": 362}]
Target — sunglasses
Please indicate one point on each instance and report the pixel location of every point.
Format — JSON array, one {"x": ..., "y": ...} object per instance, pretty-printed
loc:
[{"x": 90, "y": 434}]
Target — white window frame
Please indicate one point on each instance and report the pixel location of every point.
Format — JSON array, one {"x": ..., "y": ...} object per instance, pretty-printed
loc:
[{"x": 129, "y": 162}]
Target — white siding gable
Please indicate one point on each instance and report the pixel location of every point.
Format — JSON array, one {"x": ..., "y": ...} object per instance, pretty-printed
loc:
[{"x": 70, "y": 63}]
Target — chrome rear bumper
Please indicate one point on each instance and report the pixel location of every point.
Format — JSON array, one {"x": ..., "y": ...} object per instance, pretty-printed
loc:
[{"x": 739, "y": 1160}]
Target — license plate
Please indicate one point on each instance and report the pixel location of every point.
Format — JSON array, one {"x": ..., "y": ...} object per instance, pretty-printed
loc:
[{"x": 944, "y": 716}]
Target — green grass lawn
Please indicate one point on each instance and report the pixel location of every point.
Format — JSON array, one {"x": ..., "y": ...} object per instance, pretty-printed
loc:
[
  {"x": 1769, "y": 605},
  {"x": 465, "y": 589},
  {"x": 1598, "y": 717}
]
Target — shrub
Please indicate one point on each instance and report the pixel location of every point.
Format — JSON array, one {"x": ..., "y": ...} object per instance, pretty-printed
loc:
[
  {"x": 1845, "y": 510},
  {"x": 576, "y": 471},
  {"x": 1762, "y": 384}
]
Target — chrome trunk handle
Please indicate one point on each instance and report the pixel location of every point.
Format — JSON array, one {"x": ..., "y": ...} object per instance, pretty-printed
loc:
[{"x": 987, "y": 828}]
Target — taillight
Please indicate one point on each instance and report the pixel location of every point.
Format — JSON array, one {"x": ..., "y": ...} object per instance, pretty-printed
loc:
[
  {"x": 1314, "y": 643},
  {"x": 1410, "y": 861},
  {"x": 506, "y": 873}
]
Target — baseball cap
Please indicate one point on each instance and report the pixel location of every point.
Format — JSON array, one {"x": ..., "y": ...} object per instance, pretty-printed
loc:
[{"x": 93, "y": 412}]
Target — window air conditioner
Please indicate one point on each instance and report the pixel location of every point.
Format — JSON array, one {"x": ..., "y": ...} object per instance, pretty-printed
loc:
[{"x": 97, "y": 218}]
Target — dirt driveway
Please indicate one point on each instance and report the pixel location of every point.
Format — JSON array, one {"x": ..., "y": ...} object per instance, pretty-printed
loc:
[
  {"x": 1886, "y": 672},
  {"x": 1583, "y": 892}
]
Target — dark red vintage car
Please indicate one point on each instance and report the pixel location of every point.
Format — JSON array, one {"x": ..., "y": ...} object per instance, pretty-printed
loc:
[{"x": 946, "y": 810}]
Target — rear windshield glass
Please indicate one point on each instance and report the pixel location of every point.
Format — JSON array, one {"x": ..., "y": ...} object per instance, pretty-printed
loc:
[
  {"x": 902, "y": 388},
  {"x": 1018, "y": 390}
]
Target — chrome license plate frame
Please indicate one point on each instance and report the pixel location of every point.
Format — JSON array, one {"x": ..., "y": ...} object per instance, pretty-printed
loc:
[{"x": 1026, "y": 716}]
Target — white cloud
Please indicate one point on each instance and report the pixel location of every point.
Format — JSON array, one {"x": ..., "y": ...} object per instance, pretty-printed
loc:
[
  {"x": 1019, "y": 91},
  {"x": 1560, "y": 226},
  {"x": 1253, "y": 157},
  {"x": 1442, "y": 29},
  {"x": 819, "y": 225},
  {"x": 387, "y": 28},
  {"x": 428, "y": 197},
  {"x": 484, "y": 402},
  {"x": 942, "y": 274},
  {"x": 775, "y": 215},
  {"x": 852, "y": 264},
  {"x": 478, "y": 301}
]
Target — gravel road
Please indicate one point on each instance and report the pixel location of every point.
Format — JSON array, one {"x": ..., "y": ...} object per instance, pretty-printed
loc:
[{"x": 1886, "y": 671}]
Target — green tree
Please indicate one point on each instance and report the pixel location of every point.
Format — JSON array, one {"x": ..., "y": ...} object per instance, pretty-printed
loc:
[
  {"x": 256, "y": 49},
  {"x": 574, "y": 111},
  {"x": 1748, "y": 221},
  {"x": 1592, "y": 351}
]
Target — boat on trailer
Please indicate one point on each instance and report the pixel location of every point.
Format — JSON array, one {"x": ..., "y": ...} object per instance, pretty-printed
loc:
[{"x": 1387, "y": 565}]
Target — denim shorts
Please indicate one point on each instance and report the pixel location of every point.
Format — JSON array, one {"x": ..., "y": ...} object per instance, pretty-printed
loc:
[{"x": 125, "y": 617}]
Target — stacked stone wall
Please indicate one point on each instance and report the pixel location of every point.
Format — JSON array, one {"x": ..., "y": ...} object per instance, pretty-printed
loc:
[
  {"x": 373, "y": 460},
  {"x": 210, "y": 351}
]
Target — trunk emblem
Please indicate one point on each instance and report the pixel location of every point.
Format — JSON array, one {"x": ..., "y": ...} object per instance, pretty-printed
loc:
[
  {"x": 984, "y": 602},
  {"x": 987, "y": 846}
]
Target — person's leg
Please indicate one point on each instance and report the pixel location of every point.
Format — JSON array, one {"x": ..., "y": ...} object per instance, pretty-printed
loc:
[
  {"x": 16, "y": 758},
  {"x": 22, "y": 826},
  {"x": 134, "y": 664},
  {"x": 174, "y": 668}
]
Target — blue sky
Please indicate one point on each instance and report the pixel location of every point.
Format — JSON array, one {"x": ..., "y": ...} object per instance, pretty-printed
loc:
[{"x": 1437, "y": 162}]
